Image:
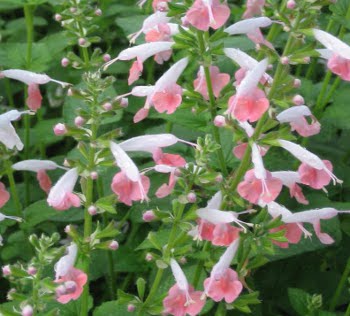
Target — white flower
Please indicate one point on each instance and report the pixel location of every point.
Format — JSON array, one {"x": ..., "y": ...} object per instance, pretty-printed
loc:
[
  {"x": 35, "y": 165},
  {"x": 66, "y": 262},
  {"x": 248, "y": 25}
]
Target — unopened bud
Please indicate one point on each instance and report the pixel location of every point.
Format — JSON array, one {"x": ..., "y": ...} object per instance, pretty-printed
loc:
[
  {"x": 64, "y": 62},
  {"x": 124, "y": 102},
  {"x": 98, "y": 12},
  {"x": 191, "y": 197},
  {"x": 284, "y": 60},
  {"x": 297, "y": 83},
  {"x": 183, "y": 260},
  {"x": 58, "y": 17},
  {"x": 193, "y": 110},
  {"x": 79, "y": 121},
  {"x": 81, "y": 41},
  {"x": 106, "y": 57},
  {"x": 107, "y": 106},
  {"x": 31, "y": 270},
  {"x": 70, "y": 92},
  {"x": 27, "y": 310},
  {"x": 113, "y": 245},
  {"x": 291, "y": 4},
  {"x": 148, "y": 216},
  {"x": 219, "y": 178},
  {"x": 298, "y": 100},
  {"x": 286, "y": 28},
  {"x": 66, "y": 163},
  {"x": 60, "y": 129},
  {"x": 6, "y": 270},
  {"x": 73, "y": 9},
  {"x": 219, "y": 121},
  {"x": 149, "y": 257},
  {"x": 93, "y": 175},
  {"x": 67, "y": 229},
  {"x": 131, "y": 308},
  {"x": 92, "y": 210},
  {"x": 307, "y": 59}
]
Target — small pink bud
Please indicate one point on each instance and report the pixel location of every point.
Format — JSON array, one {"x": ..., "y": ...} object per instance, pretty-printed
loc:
[
  {"x": 148, "y": 216},
  {"x": 183, "y": 260},
  {"x": 149, "y": 257},
  {"x": 98, "y": 12},
  {"x": 284, "y": 60},
  {"x": 64, "y": 62},
  {"x": 298, "y": 100},
  {"x": 162, "y": 6},
  {"x": 131, "y": 308},
  {"x": 297, "y": 83},
  {"x": 106, "y": 57},
  {"x": 58, "y": 17},
  {"x": 27, "y": 310},
  {"x": 92, "y": 210},
  {"x": 193, "y": 110},
  {"x": 81, "y": 41},
  {"x": 191, "y": 197},
  {"x": 107, "y": 106},
  {"x": 93, "y": 175},
  {"x": 219, "y": 121},
  {"x": 307, "y": 59},
  {"x": 60, "y": 129},
  {"x": 70, "y": 92},
  {"x": 113, "y": 245},
  {"x": 291, "y": 4},
  {"x": 31, "y": 270},
  {"x": 73, "y": 9},
  {"x": 124, "y": 102},
  {"x": 6, "y": 270},
  {"x": 219, "y": 178},
  {"x": 79, "y": 121},
  {"x": 67, "y": 229}
]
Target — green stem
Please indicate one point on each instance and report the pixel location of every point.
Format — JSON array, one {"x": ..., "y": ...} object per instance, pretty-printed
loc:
[
  {"x": 347, "y": 313},
  {"x": 28, "y": 15},
  {"x": 200, "y": 266},
  {"x": 212, "y": 105},
  {"x": 13, "y": 188},
  {"x": 340, "y": 287}
]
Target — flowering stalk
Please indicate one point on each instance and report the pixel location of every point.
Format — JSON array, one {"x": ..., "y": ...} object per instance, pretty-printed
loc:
[{"x": 13, "y": 188}]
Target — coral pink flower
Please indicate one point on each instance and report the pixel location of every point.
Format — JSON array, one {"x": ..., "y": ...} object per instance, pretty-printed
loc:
[
  {"x": 253, "y": 189},
  {"x": 33, "y": 80},
  {"x": 182, "y": 299},
  {"x": 254, "y": 7},
  {"x": 337, "y": 53},
  {"x": 223, "y": 282},
  {"x": 168, "y": 100},
  {"x": 4, "y": 195},
  {"x": 219, "y": 81},
  {"x": 172, "y": 160},
  {"x": 160, "y": 5},
  {"x": 293, "y": 234},
  {"x": 296, "y": 117},
  {"x": 44, "y": 181},
  {"x": 314, "y": 178},
  {"x": 61, "y": 196},
  {"x": 128, "y": 190},
  {"x": 250, "y": 103},
  {"x": 72, "y": 285},
  {"x": 135, "y": 71},
  {"x": 208, "y": 13},
  {"x": 240, "y": 149}
]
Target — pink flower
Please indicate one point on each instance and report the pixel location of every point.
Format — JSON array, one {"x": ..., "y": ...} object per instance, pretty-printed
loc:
[
  {"x": 293, "y": 234},
  {"x": 128, "y": 190},
  {"x": 168, "y": 100},
  {"x": 240, "y": 149},
  {"x": 61, "y": 196},
  {"x": 33, "y": 80},
  {"x": 254, "y": 7},
  {"x": 339, "y": 66},
  {"x": 219, "y": 81},
  {"x": 172, "y": 160},
  {"x": 4, "y": 195},
  {"x": 250, "y": 103},
  {"x": 72, "y": 285},
  {"x": 44, "y": 181},
  {"x": 182, "y": 299},
  {"x": 208, "y": 13},
  {"x": 253, "y": 190},
  {"x": 314, "y": 178},
  {"x": 135, "y": 71},
  {"x": 296, "y": 117},
  {"x": 160, "y": 5},
  {"x": 223, "y": 282}
]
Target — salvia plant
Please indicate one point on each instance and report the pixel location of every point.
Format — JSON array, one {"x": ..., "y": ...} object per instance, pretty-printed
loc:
[{"x": 174, "y": 157}]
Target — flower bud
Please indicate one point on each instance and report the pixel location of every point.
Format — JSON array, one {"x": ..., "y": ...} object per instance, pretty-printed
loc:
[
  {"x": 64, "y": 62},
  {"x": 106, "y": 58},
  {"x": 183, "y": 260},
  {"x": 73, "y": 9},
  {"x": 31, "y": 270},
  {"x": 291, "y": 4},
  {"x": 124, "y": 102},
  {"x": 60, "y": 129},
  {"x": 148, "y": 216},
  {"x": 284, "y": 60},
  {"x": 298, "y": 100},
  {"x": 191, "y": 197},
  {"x": 113, "y": 245},
  {"x": 98, "y": 12},
  {"x": 107, "y": 106},
  {"x": 219, "y": 178},
  {"x": 66, "y": 163},
  {"x": 219, "y": 121},
  {"x": 67, "y": 229},
  {"x": 92, "y": 210},
  {"x": 149, "y": 257},
  {"x": 27, "y": 311},
  {"x": 307, "y": 59},
  {"x": 93, "y": 175},
  {"x": 58, "y": 17},
  {"x": 70, "y": 92},
  {"x": 297, "y": 83},
  {"x": 81, "y": 41},
  {"x": 79, "y": 121},
  {"x": 6, "y": 271},
  {"x": 131, "y": 308}
]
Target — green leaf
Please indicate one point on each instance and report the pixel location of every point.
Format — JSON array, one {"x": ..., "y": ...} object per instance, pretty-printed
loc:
[
  {"x": 338, "y": 114},
  {"x": 112, "y": 308},
  {"x": 141, "y": 285},
  {"x": 299, "y": 300}
]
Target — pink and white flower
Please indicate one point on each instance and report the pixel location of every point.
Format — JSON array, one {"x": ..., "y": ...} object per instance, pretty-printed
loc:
[
  {"x": 254, "y": 7},
  {"x": 4, "y": 195},
  {"x": 61, "y": 196}
]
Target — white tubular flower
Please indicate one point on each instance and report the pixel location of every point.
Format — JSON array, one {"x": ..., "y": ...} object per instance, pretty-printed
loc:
[
  {"x": 248, "y": 25},
  {"x": 15, "y": 218},
  {"x": 332, "y": 43},
  {"x": 179, "y": 275},
  {"x": 36, "y": 165},
  {"x": 66, "y": 262}
]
